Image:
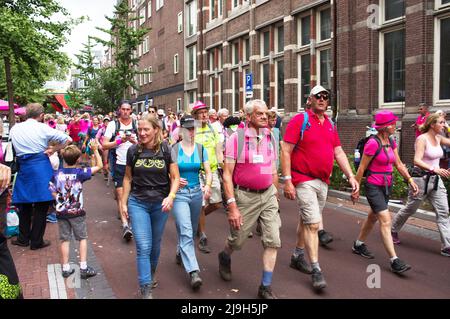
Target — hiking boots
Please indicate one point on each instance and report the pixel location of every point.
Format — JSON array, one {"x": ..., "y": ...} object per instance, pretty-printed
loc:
[
  {"x": 362, "y": 251},
  {"x": 265, "y": 292},
  {"x": 324, "y": 237},
  {"x": 203, "y": 245},
  {"x": 127, "y": 233},
  {"x": 301, "y": 264},
  {"x": 196, "y": 281},
  {"x": 395, "y": 238},
  {"x": 318, "y": 281},
  {"x": 87, "y": 273},
  {"x": 225, "y": 266},
  {"x": 398, "y": 266},
  {"x": 146, "y": 292}
]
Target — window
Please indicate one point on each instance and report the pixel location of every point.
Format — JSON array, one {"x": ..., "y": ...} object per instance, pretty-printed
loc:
[
  {"x": 142, "y": 16},
  {"x": 178, "y": 105},
  {"x": 265, "y": 83},
  {"x": 325, "y": 68},
  {"x": 235, "y": 53},
  {"x": 215, "y": 90},
  {"x": 246, "y": 50},
  {"x": 150, "y": 77},
  {"x": 265, "y": 43},
  {"x": 159, "y": 4},
  {"x": 140, "y": 49},
  {"x": 145, "y": 76},
  {"x": 145, "y": 44},
  {"x": 393, "y": 9},
  {"x": 149, "y": 9},
  {"x": 280, "y": 39},
  {"x": 280, "y": 83},
  {"x": 180, "y": 22},
  {"x": 236, "y": 86},
  {"x": 191, "y": 62},
  {"x": 393, "y": 57},
  {"x": 444, "y": 55},
  {"x": 215, "y": 9},
  {"x": 192, "y": 18},
  {"x": 442, "y": 3},
  {"x": 304, "y": 30},
  {"x": 325, "y": 24},
  {"x": 175, "y": 64},
  {"x": 305, "y": 79},
  {"x": 235, "y": 3}
]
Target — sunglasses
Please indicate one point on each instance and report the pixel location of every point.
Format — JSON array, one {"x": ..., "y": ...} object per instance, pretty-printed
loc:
[{"x": 318, "y": 96}]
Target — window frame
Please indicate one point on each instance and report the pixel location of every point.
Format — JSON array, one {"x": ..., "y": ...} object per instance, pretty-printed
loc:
[
  {"x": 149, "y": 9},
  {"x": 437, "y": 62},
  {"x": 150, "y": 77},
  {"x": 159, "y": 4},
  {"x": 176, "y": 63},
  {"x": 277, "y": 86},
  {"x": 191, "y": 8},
  {"x": 142, "y": 17},
  {"x": 300, "y": 30},
  {"x": 439, "y": 5},
  {"x": 319, "y": 66},
  {"x": 381, "y": 102},
  {"x": 262, "y": 43},
  {"x": 383, "y": 14},
  {"x": 300, "y": 102},
  {"x": 319, "y": 27},
  {"x": 276, "y": 39},
  {"x": 180, "y": 22},
  {"x": 194, "y": 48}
]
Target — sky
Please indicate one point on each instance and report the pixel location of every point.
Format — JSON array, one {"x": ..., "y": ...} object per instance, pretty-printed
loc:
[{"x": 96, "y": 11}]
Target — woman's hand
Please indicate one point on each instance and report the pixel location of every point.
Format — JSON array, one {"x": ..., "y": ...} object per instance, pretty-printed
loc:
[
  {"x": 355, "y": 196},
  {"x": 445, "y": 173},
  {"x": 167, "y": 204},
  {"x": 183, "y": 182},
  {"x": 125, "y": 210},
  {"x": 415, "y": 188}
]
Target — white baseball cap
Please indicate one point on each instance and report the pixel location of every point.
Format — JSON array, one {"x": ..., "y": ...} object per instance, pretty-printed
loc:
[
  {"x": 160, "y": 112},
  {"x": 318, "y": 89}
]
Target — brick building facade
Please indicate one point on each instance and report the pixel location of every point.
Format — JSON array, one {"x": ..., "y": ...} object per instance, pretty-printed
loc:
[{"x": 371, "y": 54}]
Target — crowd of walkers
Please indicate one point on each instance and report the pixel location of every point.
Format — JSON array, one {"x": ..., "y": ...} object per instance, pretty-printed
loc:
[{"x": 192, "y": 164}]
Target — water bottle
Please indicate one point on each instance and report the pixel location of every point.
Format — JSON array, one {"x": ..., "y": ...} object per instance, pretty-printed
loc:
[{"x": 357, "y": 156}]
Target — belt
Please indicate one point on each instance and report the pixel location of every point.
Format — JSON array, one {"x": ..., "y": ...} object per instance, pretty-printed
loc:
[{"x": 257, "y": 191}]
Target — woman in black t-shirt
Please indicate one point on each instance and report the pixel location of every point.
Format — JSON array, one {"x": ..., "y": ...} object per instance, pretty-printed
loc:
[{"x": 149, "y": 187}]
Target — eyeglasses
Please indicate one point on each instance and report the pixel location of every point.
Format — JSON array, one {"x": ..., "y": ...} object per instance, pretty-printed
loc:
[{"x": 318, "y": 96}]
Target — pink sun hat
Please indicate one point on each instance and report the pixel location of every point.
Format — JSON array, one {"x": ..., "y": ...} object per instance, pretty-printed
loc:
[
  {"x": 198, "y": 106},
  {"x": 383, "y": 119}
]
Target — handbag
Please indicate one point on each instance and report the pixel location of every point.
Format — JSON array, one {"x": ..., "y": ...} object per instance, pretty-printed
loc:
[{"x": 10, "y": 158}]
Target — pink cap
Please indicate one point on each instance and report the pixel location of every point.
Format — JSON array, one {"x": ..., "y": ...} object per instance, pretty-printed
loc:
[{"x": 198, "y": 106}]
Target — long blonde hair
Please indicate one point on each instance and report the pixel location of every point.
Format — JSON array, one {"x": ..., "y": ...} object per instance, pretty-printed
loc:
[
  {"x": 432, "y": 119},
  {"x": 154, "y": 122}
]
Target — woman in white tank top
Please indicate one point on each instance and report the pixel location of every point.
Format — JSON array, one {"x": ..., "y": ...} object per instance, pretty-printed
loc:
[{"x": 428, "y": 176}]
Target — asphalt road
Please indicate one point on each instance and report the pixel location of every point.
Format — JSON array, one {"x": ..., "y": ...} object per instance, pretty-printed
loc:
[{"x": 346, "y": 273}]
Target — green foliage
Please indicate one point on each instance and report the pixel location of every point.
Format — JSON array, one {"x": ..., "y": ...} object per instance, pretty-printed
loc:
[
  {"x": 124, "y": 40},
  {"x": 30, "y": 38},
  {"x": 338, "y": 181},
  {"x": 105, "y": 92}
]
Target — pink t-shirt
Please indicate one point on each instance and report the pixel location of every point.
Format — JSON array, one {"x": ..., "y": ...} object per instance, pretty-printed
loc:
[
  {"x": 254, "y": 168},
  {"x": 84, "y": 125},
  {"x": 381, "y": 163},
  {"x": 420, "y": 121}
]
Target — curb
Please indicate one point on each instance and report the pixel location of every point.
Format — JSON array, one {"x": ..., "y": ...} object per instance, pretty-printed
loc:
[{"x": 393, "y": 206}]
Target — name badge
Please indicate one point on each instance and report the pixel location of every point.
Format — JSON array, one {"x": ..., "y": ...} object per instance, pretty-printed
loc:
[{"x": 258, "y": 159}]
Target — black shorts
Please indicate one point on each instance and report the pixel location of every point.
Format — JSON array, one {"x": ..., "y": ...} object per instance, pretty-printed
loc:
[
  {"x": 377, "y": 197},
  {"x": 119, "y": 174}
]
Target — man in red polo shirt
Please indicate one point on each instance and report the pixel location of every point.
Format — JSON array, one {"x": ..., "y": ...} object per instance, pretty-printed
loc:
[
  {"x": 423, "y": 114},
  {"x": 250, "y": 182},
  {"x": 307, "y": 163}
]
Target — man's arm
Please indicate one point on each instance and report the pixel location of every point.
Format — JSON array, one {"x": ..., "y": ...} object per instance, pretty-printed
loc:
[{"x": 286, "y": 151}]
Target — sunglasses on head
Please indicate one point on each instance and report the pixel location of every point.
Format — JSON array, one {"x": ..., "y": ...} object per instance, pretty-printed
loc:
[{"x": 318, "y": 96}]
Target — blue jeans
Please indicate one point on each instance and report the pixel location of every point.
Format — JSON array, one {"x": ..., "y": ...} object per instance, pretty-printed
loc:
[
  {"x": 186, "y": 211},
  {"x": 148, "y": 222}
]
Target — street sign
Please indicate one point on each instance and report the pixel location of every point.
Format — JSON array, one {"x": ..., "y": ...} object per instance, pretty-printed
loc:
[{"x": 249, "y": 85}]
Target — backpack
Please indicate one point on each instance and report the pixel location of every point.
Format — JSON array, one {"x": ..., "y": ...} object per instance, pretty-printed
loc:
[
  {"x": 359, "y": 150},
  {"x": 306, "y": 125},
  {"x": 12, "y": 222}
]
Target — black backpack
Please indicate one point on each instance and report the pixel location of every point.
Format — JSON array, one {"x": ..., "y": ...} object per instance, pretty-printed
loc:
[{"x": 360, "y": 148}]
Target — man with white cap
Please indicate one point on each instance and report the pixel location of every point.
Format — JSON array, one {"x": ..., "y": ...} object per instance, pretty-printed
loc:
[
  {"x": 209, "y": 138},
  {"x": 311, "y": 144}
]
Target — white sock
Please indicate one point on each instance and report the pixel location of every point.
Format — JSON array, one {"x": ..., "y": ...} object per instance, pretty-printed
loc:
[
  {"x": 358, "y": 243},
  {"x": 83, "y": 264},
  {"x": 66, "y": 267},
  {"x": 393, "y": 258},
  {"x": 125, "y": 225}
]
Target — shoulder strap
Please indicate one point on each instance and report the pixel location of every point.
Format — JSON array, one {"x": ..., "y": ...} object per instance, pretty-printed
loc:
[
  {"x": 200, "y": 152},
  {"x": 305, "y": 124},
  {"x": 134, "y": 126},
  {"x": 240, "y": 141},
  {"x": 136, "y": 156},
  {"x": 117, "y": 129}
]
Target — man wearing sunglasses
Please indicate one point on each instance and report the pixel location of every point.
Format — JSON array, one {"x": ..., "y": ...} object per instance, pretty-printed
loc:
[{"x": 307, "y": 162}]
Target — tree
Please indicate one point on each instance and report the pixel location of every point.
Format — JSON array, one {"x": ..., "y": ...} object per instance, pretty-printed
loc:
[
  {"x": 29, "y": 42},
  {"x": 105, "y": 92},
  {"x": 86, "y": 67},
  {"x": 124, "y": 41}
]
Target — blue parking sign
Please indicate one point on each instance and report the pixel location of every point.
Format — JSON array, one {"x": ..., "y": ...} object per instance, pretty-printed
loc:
[{"x": 249, "y": 85}]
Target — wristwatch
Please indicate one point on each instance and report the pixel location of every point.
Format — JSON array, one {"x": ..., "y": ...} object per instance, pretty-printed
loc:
[
  {"x": 231, "y": 200},
  {"x": 286, "y": 178}
]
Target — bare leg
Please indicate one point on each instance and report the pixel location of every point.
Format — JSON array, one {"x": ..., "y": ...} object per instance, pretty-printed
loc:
[
  {"x": 83, "y": 250},
  {"x": 367, "y": 226},
  {"x": 385, "y": 229}
]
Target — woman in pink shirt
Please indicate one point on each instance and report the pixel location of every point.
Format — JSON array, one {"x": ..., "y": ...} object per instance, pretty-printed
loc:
[
  {"x": 428, "y": 176},
  {"x": 379, "y": 157}
]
